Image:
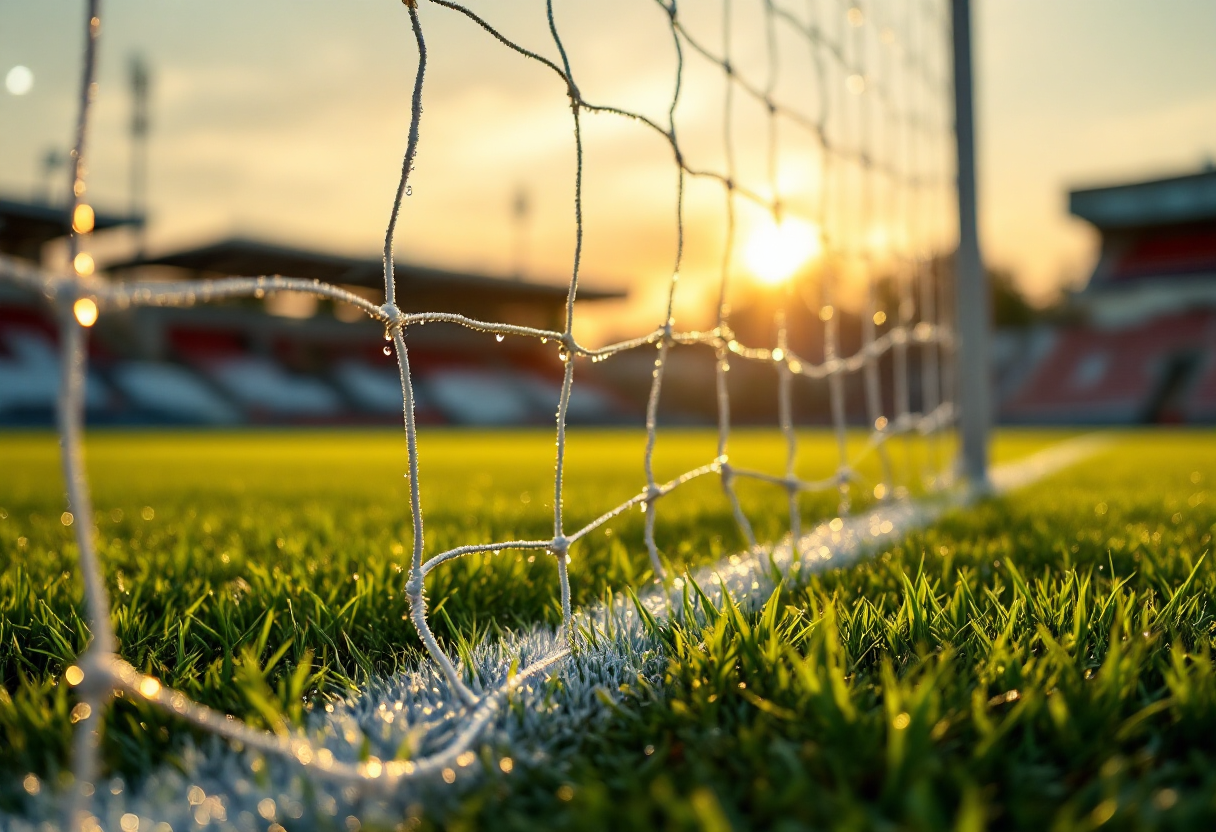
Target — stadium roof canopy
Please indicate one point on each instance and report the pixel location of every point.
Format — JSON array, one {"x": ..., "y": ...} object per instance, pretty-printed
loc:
[
  {"x": 1156, "y": 202},
  {"x": 1158, "y": 247},
  {"x": 26, "y": 226},
  {"x": 251, "y": 258}
]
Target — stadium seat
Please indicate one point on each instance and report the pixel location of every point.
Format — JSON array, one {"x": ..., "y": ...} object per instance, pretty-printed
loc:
[
  {"x": 479, "y": 397},
  {"x": 261, "y": 385},
  {"x": 172, "y": 392},
  {"x": 29, "y": 377}
]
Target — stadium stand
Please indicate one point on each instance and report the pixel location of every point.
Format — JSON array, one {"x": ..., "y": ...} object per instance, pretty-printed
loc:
[
  {"x": 270, "y": 362},
  {"x": 1145, "y": 349}
]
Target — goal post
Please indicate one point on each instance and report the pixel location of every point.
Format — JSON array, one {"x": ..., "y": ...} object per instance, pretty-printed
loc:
[{"x": 971, "y": 289}]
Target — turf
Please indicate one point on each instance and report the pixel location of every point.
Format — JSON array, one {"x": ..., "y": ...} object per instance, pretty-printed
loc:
[
  {"x": 262, "y": 545},
  {"x": 233, "y": 558},
  {"x": 1040, "y": 662}
]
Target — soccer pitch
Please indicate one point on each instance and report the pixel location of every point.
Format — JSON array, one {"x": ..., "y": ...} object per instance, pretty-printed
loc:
[{"x": 1039, "y": 659}]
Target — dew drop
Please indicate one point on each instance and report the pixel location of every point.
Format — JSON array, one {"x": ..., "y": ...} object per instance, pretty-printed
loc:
[
  {"x": 499, "y": 337},
  {"x": 387, "y": 351}
]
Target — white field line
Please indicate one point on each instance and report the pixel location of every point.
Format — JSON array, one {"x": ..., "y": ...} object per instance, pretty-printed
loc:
[
  {"x": 229, "y": 787},
  {"x": 842, "y": 541}
]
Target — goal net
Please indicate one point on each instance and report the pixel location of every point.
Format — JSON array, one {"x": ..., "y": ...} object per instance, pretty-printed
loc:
[{"x": 809, "y": 148}]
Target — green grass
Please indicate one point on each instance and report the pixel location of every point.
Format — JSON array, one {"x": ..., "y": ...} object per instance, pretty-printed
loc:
[
  {"x": 255, "y": 541},
  {"x": 223, "y": 551},
  {"x": 1040, "y": 662}
]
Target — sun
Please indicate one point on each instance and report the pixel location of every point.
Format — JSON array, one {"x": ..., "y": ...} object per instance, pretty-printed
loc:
[{"x": 776, "y": 251}]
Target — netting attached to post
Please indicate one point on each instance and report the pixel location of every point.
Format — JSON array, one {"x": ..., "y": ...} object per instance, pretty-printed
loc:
[{"x": 880, "y": 124}]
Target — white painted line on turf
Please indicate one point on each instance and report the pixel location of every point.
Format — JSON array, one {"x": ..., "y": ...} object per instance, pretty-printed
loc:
[{"x": 751, "y": 577}]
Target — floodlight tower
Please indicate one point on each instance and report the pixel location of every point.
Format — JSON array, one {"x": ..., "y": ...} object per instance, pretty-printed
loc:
[
  {"x": 52, "y": 160},
  {"x": 520, "y": 215},
  {"x": 972, "y": 305},
  {"x": 140, "y": 84}
]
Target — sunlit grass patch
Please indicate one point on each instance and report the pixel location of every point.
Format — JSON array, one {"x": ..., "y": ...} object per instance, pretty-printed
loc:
[
  {"x": 258, "y": 571},
  {"x": 233, "y": 558}
]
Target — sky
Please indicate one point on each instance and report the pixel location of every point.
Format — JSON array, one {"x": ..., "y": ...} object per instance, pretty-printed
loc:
[{"x": 286, "y": 119}]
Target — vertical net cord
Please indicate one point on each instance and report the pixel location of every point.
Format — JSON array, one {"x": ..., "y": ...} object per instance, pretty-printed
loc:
[
  {"x": 815, "y": 33},
  {"x": 904, "y": 211},
  {"x": 653, "y": 492},
  {"x": 873, "y": 391},
  {"x": 828, "y": 313},
  {"x": 785, "y": 416},
  {"x": 560, "y": 544},
  {"x": 722, "y": 367},
  {"x": 930, "y": 354},
  {"x": 781, "y": 355},
  {"x": 921, "y": 276},
  {"x": 948, "y": 347},
  {"x": 95, "y": 686},
  {"x": 948, "y": 361},
  {"x": 415, "y": 589},
  {"x": 892, "y": 173}
]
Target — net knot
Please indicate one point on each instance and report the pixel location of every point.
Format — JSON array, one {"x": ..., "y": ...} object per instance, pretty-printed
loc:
[
  {"x": 559, "y": 545},
  {"x": 94, "y": 676},
  {"x": 393, "y": 316},
  {"x": 414, "y": 586},
  {"x": 728, "y": 473},
  {"x": 65, "y": 291}
]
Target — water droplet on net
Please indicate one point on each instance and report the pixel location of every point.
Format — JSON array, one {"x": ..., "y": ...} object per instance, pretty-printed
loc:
[
  {"x": 499, "y": 337},
  {"x": 409, "y": 190},
  {"x": 387, "y": 351}
]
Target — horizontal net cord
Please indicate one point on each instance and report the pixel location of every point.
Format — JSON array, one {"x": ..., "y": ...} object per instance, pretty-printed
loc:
[
  {"x": 123, "y": 295},
  {"x": 316, "y": 759}
]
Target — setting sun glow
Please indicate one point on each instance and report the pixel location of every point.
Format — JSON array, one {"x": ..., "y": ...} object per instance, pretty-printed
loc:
[{"x": 775, "y": 252}]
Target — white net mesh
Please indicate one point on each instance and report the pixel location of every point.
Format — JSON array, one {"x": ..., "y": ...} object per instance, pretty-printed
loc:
[{"x": 869, "y": 114}]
